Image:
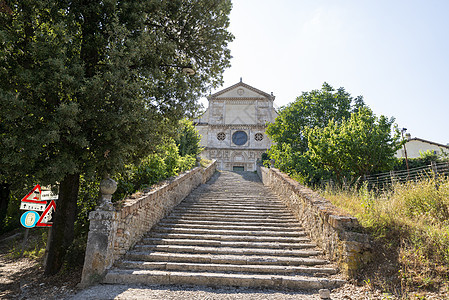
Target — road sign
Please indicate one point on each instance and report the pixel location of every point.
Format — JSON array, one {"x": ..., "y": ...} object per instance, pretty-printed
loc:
[
  {"x": 35, "y": 201},
  {"x": 32, "y": 201},
  {"x": 33, "y": 206},
  {"x": 34, "y": 196},
  {"x": 29, "y": 219},
  {"x": 46, "y": 219},
  {"x": 48, "y": 195}
]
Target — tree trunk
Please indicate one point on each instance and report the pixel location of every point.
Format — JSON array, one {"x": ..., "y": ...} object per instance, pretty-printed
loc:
[
  {"x": 4, "y": 201},
  {"x": 62, "y": 232}
]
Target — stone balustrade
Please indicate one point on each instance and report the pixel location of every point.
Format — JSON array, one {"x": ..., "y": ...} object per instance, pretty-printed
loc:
[
  {"x": 338, "y": 234},
  {"x": 113, "y": 232}
]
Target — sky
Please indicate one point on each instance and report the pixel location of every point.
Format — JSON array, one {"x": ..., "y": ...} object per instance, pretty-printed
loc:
[{"x": 394, "y": 53}]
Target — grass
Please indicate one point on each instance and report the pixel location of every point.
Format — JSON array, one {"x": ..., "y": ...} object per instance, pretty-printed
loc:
[
  {"x": 411, "y": 222},
  {"x": 34, "y": 246}
]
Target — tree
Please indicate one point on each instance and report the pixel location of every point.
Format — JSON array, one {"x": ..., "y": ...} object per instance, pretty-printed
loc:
[
  {"x": 310, "y": 110},
  {"x": 354, "y": 147},
  {"x": 92, "y": 85},
  {"x": 188, "y": 139}
]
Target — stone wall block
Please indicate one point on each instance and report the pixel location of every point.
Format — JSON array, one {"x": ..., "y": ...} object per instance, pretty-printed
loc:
[
  {"x": 336, "y": 233},
  {"x": 112, "y": 234},
  {"x": 100, "y": 245}
]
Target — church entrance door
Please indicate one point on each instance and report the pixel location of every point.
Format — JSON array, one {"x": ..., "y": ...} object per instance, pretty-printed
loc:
[{"x": 238, "y": 168}]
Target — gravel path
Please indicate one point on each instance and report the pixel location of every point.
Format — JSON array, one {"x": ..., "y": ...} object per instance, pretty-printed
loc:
[{"x": 167, "y": 292}]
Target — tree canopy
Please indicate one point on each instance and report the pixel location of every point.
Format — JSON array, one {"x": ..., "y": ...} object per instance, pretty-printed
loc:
[
  {"x": 311, "y": 109},
  {"x": 90, "y": 85},
  {"x": 357, "y": 146},
  {"x": 328, "y": 133}
]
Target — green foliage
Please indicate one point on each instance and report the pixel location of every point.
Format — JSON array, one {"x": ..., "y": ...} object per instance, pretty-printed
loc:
[
  {"x": 165, "y": 162},
  {"x": 425, "y": 159},
  {"x": 289, "y": 131},
  {"x": 186, "y": 163},
  {"x": 89, "y": 193},
  {"x": 297, "y": 164},
  {"x": 265, "y": 160},
  {"x": 354, "y": 147},
  {"x": 188, "y": 139},
  {"x": 89, "y": 87},
  {"x": 18, "y": 189},
  {"x": 311, "y": 109},
  {"x": 95, "y": 86}
]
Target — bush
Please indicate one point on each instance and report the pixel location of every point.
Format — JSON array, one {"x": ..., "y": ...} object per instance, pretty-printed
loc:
[
  {"x": 425, "y": 159},
  {"x": 188, "y": 139},
  {"x": 164, "y": 163}
]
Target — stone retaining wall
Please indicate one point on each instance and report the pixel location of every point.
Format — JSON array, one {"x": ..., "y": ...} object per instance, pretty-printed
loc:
[
  {"x": 337, "y": 233},
  {"x": 112, "y": 233}
]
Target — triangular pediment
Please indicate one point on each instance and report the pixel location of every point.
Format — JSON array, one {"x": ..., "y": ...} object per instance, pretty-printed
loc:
[{"x": 241, "y": 90}]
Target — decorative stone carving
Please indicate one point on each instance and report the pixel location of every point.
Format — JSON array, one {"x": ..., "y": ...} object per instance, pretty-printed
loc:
[
  {"x": 232, "y": 113},
  {"x": 107, "y": 187}
]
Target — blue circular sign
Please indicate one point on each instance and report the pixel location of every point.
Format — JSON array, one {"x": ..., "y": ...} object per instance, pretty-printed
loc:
[{"x": 29, "y": 219}]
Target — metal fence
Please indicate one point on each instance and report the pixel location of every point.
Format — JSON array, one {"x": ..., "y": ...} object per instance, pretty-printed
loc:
[
  {"x": 387, "y": 179},
  {"x": 383, "y": 180}
]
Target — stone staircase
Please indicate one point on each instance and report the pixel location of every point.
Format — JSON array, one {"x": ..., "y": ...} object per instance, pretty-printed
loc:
[{"x": 229, "y": 231}]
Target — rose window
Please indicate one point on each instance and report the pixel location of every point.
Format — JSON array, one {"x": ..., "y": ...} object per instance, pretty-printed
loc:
[{"x": 221, "y": 136}]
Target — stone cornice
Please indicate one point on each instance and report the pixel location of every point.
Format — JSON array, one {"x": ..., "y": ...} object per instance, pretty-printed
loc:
[
  {"x": 236, "y": 149},
  {"x": 236, "y": 126},
  {"x": 241, "y": 84},
  {"x": 237, "y": 99}
]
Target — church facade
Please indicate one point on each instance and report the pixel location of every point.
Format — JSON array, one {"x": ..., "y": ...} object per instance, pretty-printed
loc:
[{"x": 233, "y": 127}]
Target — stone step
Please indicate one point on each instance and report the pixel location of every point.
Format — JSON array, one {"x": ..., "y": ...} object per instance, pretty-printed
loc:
[
  {"x": 194, "y": 217},
  {"x": 237, "y": 226},
  {"x": 272, "y": 269},
  {"x": 234, "y": 214},
  {"x": 257, "y": 193},
  {"x": 243, "y": 201},
  {"x": 218, "y": 243},
  {"x": 231, "y": 206},
  {"x": 238, "y": 200},
  {"x": 231, "y": 231},
  {"x": 246, "y": 233},
  {"x": 237, "y": 212},
  {"x": 224, "y": 258},
  {"x": 218, "y": 279},
  {"x": 226, "y": 250},
  {"x": 239, "y": 238}
]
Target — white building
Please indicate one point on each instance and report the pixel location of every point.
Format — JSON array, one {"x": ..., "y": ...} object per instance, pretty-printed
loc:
[
  {"x": 233, "y": 126},
  {"x": 416, "y": 145}
]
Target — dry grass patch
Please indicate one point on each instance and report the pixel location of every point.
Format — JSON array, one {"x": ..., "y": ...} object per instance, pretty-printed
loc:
[{"x": 411, "y": 223}]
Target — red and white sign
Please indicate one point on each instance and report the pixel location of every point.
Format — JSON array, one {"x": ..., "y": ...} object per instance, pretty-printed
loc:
[
  {"x": 35, "y": 201},
  {"x": 32, "y": 201},
  {"x": 46, "y": 217},
  {"x": 34, "y": 195}
]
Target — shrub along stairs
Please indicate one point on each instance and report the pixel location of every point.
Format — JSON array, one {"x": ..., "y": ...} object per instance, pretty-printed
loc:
[{"x": 229, "y": 231}]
